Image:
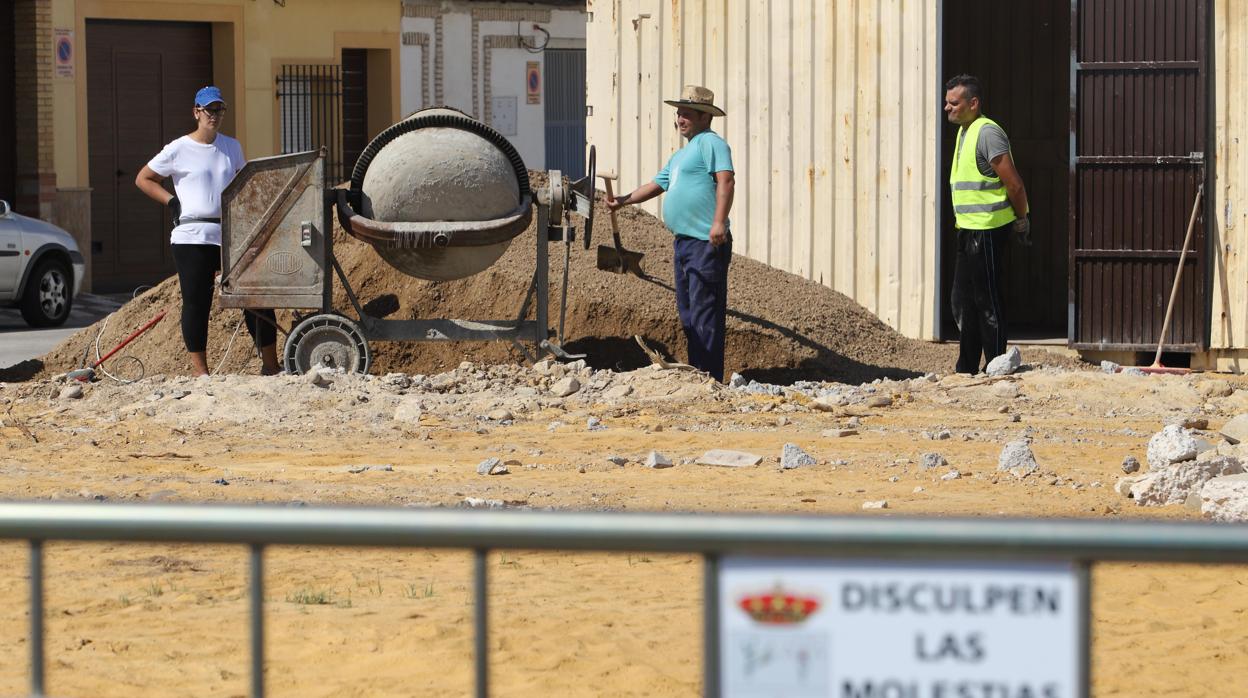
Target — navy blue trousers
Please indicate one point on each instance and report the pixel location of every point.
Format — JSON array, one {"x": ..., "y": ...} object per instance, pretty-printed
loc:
[
  {"x": 702, "y": 300},
  {"x": 978, "y": 306}
]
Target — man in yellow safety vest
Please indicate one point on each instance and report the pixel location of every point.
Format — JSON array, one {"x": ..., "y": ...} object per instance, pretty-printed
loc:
[{"x": 989, "y": 201}]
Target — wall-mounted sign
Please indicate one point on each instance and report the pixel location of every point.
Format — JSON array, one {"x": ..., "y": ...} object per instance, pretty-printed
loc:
[
  {"x": 792, "y": 627},
  {"x": 533, "y": 82},
  {"x": 63, "y": 52}
]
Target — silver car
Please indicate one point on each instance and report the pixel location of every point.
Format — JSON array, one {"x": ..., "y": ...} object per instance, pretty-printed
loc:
[{"x": 41, "y": 268}]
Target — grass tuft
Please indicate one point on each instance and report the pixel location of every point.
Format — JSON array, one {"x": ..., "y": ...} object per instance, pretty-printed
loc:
[{"x": 311, "y": 597}]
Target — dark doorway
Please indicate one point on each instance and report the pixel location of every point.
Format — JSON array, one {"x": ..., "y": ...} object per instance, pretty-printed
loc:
[
  {"x": 8, "y": 117},
  {"x": 565, "y": 111},
  {"x": 354, "y": 106},
  {"x": 1021, "y": 53},
  {"x": 1141, "y": 125},
  {"x": 142, "y": 78}
]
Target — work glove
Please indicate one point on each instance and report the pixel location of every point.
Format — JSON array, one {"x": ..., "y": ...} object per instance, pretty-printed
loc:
[
  {"x": 1022, "y": 231},
  {"x": 175, "y": 207}
]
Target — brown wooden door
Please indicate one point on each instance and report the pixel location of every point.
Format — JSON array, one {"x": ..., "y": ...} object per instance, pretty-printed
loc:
[
  {"x": 1021, "y": 53},
  {"x": 1139, "y": 125},
  {"x": 8, "y": 121},
  {"x": 141, "y": 83}
]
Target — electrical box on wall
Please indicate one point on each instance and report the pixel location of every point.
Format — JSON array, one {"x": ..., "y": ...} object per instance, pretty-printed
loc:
[{"x": 503, "y": 115}]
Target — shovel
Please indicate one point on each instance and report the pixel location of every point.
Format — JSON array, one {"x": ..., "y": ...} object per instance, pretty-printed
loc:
[{"x": 617, "y": 259}]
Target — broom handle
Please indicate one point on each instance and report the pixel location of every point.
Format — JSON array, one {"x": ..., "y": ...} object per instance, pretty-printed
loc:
[
  {"x": 129, "y": 339},
  {"x": 1174, "y": 291}
]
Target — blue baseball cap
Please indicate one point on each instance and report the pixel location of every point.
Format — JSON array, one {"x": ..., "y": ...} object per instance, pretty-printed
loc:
[{"x": 207, "y": 96}]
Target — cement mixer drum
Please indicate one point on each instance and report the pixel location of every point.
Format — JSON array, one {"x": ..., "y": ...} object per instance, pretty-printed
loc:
[{"x": 443, "y": 169}]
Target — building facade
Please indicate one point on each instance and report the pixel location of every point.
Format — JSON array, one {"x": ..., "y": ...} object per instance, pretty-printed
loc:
[
  {"x": 94, "y": 88},
  {"x": 519, "y": 67}
]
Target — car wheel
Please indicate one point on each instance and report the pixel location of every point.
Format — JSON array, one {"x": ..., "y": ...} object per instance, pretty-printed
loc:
[{"x": 48, "y": 295}]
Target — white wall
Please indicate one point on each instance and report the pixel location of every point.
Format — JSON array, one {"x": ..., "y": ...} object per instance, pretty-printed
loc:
[{"x": 493, "y": 34}]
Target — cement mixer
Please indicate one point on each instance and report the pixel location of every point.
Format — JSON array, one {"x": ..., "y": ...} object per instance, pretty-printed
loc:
[{"x": 439, "y": 196}]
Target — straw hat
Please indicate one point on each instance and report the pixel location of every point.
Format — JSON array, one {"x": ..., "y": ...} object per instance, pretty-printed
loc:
[{"x": 699, "y": 98}]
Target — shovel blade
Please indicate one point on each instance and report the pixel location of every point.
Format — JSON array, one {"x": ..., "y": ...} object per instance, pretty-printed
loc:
[{"x": 620, "y": 261}]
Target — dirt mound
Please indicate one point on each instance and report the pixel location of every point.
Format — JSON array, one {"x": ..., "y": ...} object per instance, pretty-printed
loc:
[{"x": 781, "y": 328}]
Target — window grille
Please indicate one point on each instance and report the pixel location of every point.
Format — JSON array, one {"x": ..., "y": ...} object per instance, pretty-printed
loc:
[{"x": 310, "y": 108}]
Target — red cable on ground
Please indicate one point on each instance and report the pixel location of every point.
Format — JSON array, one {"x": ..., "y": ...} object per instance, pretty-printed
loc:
[{"x": 131, "y": 338}]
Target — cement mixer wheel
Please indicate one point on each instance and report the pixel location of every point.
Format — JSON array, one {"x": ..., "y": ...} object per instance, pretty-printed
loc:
[{"x": 327, "y": 341}]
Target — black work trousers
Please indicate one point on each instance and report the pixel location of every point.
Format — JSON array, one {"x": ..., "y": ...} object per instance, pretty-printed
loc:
[
  {"x": 197, "y": 265},
  {"x": 978, "y": 308}
]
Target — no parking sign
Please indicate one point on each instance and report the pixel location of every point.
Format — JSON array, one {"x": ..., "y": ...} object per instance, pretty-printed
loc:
[
  {"x": 63, "y": 49},
  {"x": 533, "y": 82}
]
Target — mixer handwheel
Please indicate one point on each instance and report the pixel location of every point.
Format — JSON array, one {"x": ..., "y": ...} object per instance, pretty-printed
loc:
[{"x": 327, "y": 341}]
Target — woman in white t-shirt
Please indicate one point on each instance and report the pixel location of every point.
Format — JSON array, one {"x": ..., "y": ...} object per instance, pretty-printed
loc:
[{"x": 201, "y": 164}]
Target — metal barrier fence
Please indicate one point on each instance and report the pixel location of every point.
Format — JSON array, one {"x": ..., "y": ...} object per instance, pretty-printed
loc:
[{"x": 710, "y": 535}]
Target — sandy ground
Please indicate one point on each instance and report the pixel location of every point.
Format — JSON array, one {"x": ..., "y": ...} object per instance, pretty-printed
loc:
[{"x": 130, "y": 620}]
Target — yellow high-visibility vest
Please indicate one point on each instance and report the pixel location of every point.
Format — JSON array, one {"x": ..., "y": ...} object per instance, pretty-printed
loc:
[{"x": 979, "y": 202}]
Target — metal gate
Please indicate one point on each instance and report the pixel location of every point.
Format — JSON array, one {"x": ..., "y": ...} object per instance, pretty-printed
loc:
[
  {"x": 565, "y": 111},
  {"x": 310, "y": 106},
  {"x": 1139, "y": 128}
]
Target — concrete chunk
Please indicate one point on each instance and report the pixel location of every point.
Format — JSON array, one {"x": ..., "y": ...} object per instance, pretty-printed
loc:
[
  {"x": 825, "y": 404},
  {"x": 491, "y": 466},
  {"x": 1226, "y": 498},
  {"x": 792, "y": 456},
  {"x": 500, "y": 414},
  {"x": 1017, "y": 459},
  {"x": 565, "y": 386},
  {"x": 618, "y": 392},
  {"x": 1005, "y": 364},
  {"x": 1236, "y": 430},
  {"x": 1173, "y": 484},
  {"x": 1174, "y": 444},
  {"x": 729, "y": 459},
  {"x": 658, "y": 460},
  {"x": 1124, "y": 484},
  {"x": 409, "y": 411}
]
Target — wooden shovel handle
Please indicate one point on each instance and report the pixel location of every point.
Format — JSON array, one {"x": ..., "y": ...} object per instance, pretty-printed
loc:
[{"x": 615, "y": 227}]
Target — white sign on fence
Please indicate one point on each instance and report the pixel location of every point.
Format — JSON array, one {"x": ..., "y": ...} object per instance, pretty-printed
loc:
[{"x": 870, "y": 629}]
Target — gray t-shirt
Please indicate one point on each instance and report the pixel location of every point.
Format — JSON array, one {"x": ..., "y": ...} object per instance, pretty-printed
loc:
[{"x": 992, "y": 143}]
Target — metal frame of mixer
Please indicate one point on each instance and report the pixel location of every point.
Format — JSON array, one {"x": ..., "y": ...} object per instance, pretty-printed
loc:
[{"x": 347, "y": 339}]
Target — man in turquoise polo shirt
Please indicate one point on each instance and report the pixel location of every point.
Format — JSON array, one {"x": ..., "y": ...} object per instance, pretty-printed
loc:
[
  {"x": 989, "y": 202},
  {"x": 699, "y": 183}
]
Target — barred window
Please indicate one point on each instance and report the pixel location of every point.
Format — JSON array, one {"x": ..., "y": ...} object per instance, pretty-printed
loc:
[{"x": 310, "y": 112}]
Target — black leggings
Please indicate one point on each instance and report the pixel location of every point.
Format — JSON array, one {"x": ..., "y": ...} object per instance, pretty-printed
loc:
[{"x": 197, "y": 264}]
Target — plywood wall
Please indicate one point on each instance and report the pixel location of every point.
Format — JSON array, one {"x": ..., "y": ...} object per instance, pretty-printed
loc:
[
  {"x": 832, "y": 110},
  {"x": 1229, "y": 224}
]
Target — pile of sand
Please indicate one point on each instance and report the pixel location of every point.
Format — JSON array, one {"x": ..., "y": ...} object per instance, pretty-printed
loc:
[{"x": 781, "y": 328}]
